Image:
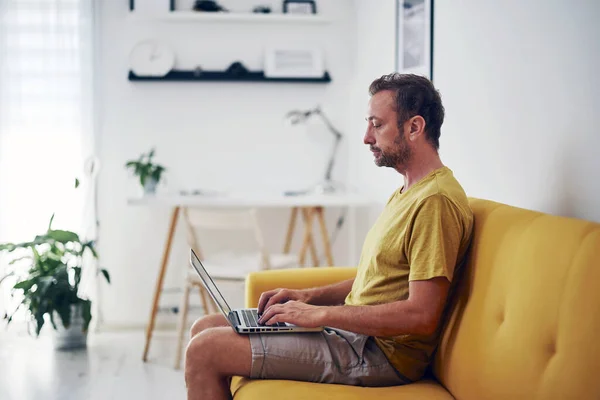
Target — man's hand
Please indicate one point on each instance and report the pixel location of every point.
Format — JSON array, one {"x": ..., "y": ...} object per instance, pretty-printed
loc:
[
  {"x": 275, "y": 296},
  {"x": 294, "y": 312}
]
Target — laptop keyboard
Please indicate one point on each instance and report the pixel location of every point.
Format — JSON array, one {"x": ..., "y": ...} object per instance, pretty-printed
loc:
[{"x": 251, "y": 318}]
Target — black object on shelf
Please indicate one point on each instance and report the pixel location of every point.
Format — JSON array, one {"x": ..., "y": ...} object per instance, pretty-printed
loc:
[
  {"x": 261, "y": 9},
  {"x": 237, "y": 70},
  {"x": 208, "y": 6},
  {"x": 222, "y": 76}
]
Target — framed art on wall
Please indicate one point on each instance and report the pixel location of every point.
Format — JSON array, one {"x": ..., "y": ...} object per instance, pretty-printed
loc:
[
  {"x": 299, "y": 7},
  {"x": 414, "y": 37},
  {"x": 294, "y": 63}
]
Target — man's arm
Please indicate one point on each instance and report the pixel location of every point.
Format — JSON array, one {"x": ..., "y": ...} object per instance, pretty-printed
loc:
[
  {"x": 418, "y": 315},
  {"x": 329, "y": 295}
]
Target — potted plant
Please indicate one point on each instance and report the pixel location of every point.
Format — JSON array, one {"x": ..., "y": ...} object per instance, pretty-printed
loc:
[
  {"x": 148, "y": 172},
  {"x": 48, "y": 272}
]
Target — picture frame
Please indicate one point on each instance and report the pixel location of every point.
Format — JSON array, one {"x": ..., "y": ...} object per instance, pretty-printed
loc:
[
  {"x": 294, "y": 63},
  {"x": 414, "y": 37},
  {"x": 302, "y": 7},
  {"x": 155, "y": 5}
]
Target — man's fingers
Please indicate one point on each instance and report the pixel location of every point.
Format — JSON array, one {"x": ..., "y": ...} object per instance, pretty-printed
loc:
[
  {"x": 269, "y": 313},
  {"x": 273, "y": 300},
  {"x": 273, "y": 320},
  {"x": 277, "y": 298},
  {"x": 264, "y": 298},
  {"x": 266, "y": 316},
  {"x": 278, "y": 316}
]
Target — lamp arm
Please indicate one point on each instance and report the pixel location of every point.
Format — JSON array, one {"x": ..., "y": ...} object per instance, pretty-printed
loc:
[
  {"x": 331, "y": 128},
  {"x": 336, "y": 145},
  {"x": 338, "y": 139}
]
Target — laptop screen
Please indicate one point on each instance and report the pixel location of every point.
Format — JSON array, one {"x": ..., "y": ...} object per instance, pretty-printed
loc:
[{"x": 209, "y": 284}]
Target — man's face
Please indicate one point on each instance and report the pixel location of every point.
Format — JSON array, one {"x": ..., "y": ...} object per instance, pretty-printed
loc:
[{"x": 388, "y": 144}]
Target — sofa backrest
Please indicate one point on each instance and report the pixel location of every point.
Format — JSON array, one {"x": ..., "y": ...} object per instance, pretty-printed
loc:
[{"x": 526, "y": 317}]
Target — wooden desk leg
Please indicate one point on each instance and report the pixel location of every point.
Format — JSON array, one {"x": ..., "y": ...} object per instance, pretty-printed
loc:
[
  {"x": 290, "y": 231},
  {"x": 159, "y": 280},
  {"x": 308, "y": 243},
  {"x": 304, "y": 247},
  {"x": 325, "y": 235},
  {"x": 182, "y": 324},
  {"x": 311, "y": 245},
  {"x": 205, "y": 303}
]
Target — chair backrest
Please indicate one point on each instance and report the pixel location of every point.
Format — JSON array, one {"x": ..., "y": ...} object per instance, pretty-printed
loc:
[
  {"x": 526, "y": 318},
  {"x": 224, "y": 220}
]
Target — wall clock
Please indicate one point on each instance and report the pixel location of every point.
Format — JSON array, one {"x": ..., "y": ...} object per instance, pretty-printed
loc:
[{"x": 151, "y": 58}]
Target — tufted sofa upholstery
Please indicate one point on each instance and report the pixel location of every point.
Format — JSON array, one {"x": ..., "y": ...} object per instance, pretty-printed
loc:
[{"x": 525, "y": 321}]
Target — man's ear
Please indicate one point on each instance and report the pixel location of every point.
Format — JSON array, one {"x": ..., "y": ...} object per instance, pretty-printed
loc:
[{"x": 416, "y": 127}]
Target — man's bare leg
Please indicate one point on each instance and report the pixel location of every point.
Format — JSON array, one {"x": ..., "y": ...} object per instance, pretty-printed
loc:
[
  {"x": 214, "y": 354},
  {"x": 208, "y": 321},
  {"x": 212, "y": 357}
]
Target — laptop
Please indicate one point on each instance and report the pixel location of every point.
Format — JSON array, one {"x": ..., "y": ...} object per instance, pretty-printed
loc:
[{"x": 241, "y": 320}]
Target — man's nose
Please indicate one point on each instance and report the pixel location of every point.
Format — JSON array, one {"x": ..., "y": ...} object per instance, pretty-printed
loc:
[{"x": 368, "y": 138}]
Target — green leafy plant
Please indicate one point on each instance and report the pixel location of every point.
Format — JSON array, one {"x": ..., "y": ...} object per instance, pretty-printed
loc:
[
  {"x": 145, "y": 169},
  {"x": 48, "y": 271}
]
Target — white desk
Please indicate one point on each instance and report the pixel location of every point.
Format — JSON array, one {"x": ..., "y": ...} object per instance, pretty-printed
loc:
[
  {"x": 253, "y": 200},
  {"x": 310, "y": 205}
]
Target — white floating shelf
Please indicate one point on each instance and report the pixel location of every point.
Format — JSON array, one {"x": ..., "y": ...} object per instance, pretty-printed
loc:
[{"x": 194, "y": 16}]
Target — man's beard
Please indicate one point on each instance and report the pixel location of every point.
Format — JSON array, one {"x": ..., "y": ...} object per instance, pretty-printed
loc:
[{"x": 399, "y": 155}]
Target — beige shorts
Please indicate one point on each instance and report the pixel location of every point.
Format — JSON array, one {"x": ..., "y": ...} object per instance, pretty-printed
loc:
[{"x": 331, "y": 356}]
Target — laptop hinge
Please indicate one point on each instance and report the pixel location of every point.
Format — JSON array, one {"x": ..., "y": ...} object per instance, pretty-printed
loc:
[{"x": 234, "y": 318}]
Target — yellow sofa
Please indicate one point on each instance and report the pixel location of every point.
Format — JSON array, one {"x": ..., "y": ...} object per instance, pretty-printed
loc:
[{"x": 525, "y": 322}]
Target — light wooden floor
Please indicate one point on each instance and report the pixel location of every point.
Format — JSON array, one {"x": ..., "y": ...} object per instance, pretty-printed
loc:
[{"x": 110, "y": 369}]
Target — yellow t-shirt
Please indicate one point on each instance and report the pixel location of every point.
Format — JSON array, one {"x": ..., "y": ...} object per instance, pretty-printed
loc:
[{"x": 421, "y": 234}]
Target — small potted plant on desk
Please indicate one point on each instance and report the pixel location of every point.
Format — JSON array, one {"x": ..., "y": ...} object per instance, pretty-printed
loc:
[
  {"x": 148, "y": 172},
  {"x": 48, "y": 272}
]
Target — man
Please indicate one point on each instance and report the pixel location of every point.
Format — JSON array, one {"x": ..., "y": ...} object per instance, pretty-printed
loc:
[{"x": 383, "y": 326}]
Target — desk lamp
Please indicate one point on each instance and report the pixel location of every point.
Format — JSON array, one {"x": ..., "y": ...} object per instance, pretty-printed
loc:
[{"x": 327, "y": 186}]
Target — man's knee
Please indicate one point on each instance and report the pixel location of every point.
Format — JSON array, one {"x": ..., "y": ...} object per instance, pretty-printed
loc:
[
  {"x": 206, "y": 322},
  {"x": 218, "y": 351},
  {"x": 202, "y": 350}
]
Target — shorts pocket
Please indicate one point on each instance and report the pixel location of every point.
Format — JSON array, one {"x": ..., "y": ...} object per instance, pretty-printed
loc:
[{"x": 347, "y": 348}]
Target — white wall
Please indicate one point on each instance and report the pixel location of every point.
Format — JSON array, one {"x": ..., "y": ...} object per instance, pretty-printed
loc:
[
  {"x": 517, "y": 80},
  {"x": 374, "y": 57},
  {"x": 522, "y": 94},
  {"x": 520, "y": 86},
  {"x": 375, "y": 30},
  {"x": 220, "y": 136}
]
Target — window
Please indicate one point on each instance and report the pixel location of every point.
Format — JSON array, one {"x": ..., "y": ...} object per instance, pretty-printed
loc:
[{"x": 45, "y": 115}]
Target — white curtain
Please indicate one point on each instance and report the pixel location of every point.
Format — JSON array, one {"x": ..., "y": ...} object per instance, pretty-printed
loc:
[{"x": 46, "y": 119}]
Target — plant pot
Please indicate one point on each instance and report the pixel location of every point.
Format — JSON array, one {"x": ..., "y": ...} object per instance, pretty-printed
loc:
[
  {"x": 72, "y": 337},
  {"x": 150, "y": 186}
]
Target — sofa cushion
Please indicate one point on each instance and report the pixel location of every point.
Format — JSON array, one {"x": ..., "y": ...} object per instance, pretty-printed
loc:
[
  {"x": 527, "y": 319},
  {"x": 248, "y": 389}
]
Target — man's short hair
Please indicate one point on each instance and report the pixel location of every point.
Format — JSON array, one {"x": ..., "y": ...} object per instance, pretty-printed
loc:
[{"x": 414, "y": 95}]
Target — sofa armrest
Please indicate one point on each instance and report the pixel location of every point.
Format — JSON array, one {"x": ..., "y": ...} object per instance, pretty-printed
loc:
[{"x": 296, "y": 278}]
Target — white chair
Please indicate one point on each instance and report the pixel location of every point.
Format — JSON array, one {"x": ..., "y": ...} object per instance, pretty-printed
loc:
[{"x": 224, "y": 265}]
